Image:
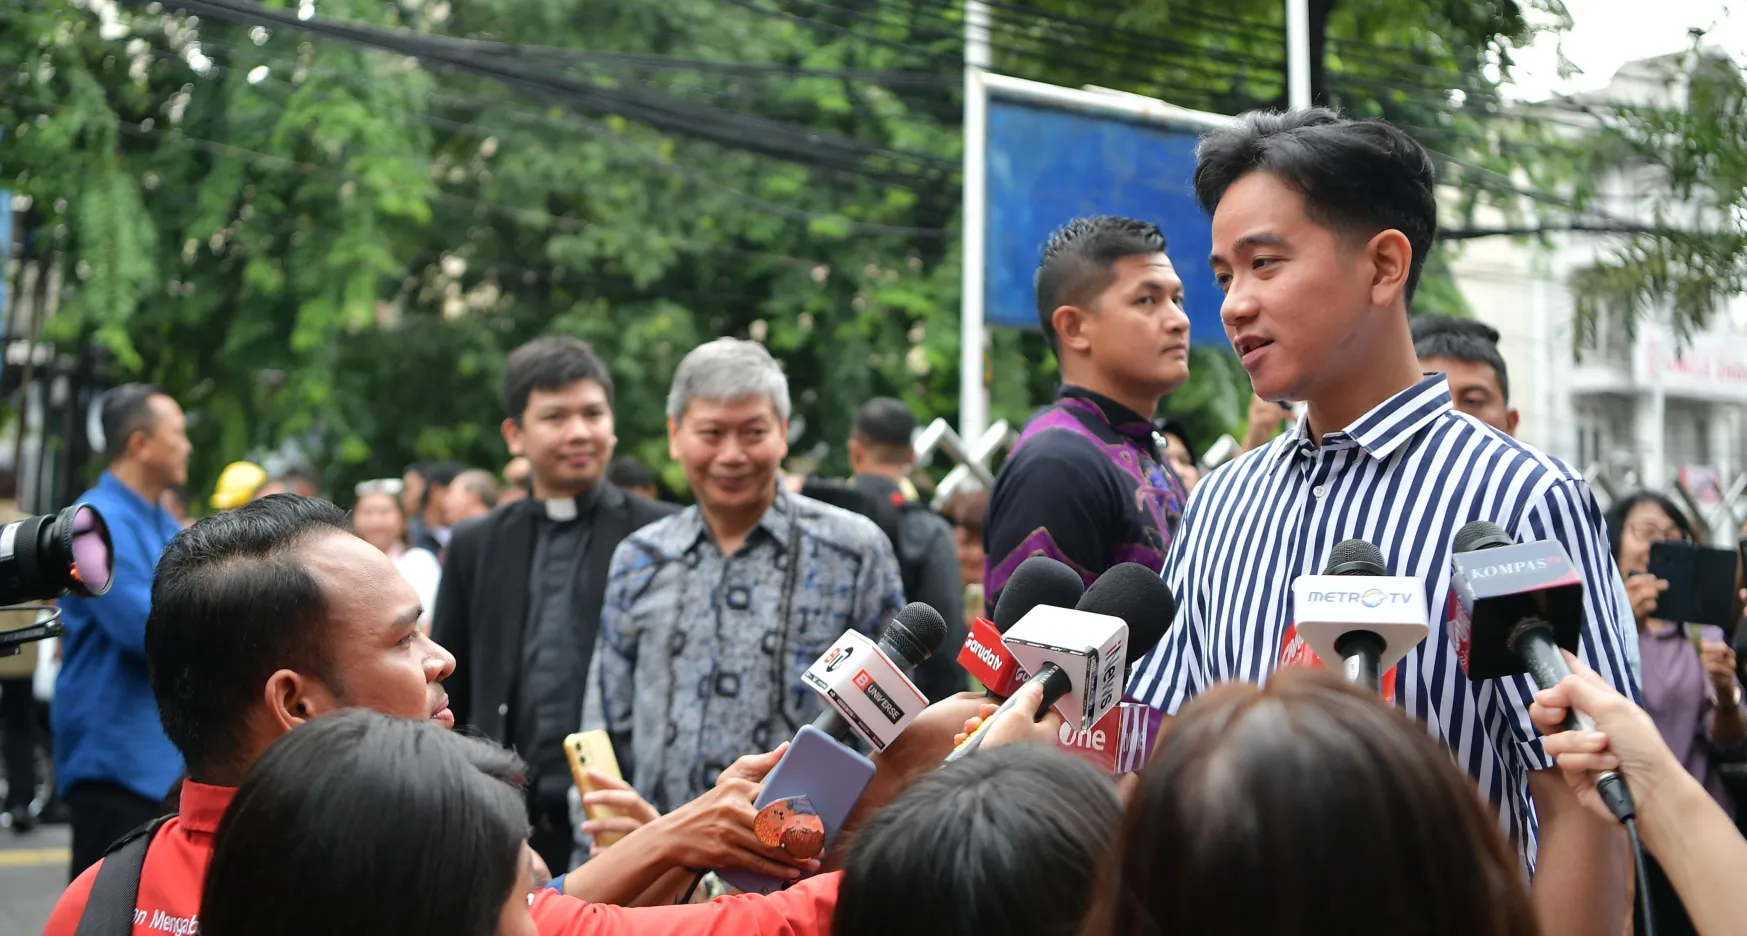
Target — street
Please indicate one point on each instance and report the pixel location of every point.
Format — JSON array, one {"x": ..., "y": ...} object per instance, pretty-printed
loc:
[{"x": 33, "y": 872}]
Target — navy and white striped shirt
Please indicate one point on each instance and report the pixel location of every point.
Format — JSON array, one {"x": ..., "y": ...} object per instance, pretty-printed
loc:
[{"x": 1405, "y": 476}]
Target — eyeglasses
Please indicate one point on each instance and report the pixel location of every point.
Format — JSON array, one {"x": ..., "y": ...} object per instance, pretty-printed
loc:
[
  {"x": 1652, "y": 531},
  {"x": 390, "y": 486}
]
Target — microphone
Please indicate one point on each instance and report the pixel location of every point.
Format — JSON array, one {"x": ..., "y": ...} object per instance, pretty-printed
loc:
[
  {"x": 1512, "y": 607},
  {"x": 1081, "y": 657},
  {"x": 1356, "y": 612},
  {"x": 1039, "y": 580},
  {"x": 907, "y": 639}
]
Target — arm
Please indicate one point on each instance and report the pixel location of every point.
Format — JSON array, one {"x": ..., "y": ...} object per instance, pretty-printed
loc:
[
  {"x": 1583, "y": 861},
  {"x": 879, "y": 586},
  {"x": 1681, "y": 825},
  {"x": 451, "y": 625},
  {"x": 617, "y": 653},
  {"x": 1173, "y": 672},
  {"x": 1047, "y": 502}
]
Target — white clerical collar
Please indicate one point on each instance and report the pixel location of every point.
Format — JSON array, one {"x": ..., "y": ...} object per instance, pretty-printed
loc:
[{"x": 560, "y": 509}]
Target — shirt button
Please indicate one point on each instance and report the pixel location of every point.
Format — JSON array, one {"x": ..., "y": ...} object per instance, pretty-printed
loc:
[
  {"x": 503, "y": 709},
  {"x": 1316, "y": 491}
]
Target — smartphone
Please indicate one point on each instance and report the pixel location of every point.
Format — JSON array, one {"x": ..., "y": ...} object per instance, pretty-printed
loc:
[
  {"x": 1701, "y": 584},
  {"x": 593, "y": 750},
  {"x": 820, "y": 768}
]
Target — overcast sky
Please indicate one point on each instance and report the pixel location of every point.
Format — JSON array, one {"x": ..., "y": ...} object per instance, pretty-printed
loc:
[{"x": 1609, "y": 33}]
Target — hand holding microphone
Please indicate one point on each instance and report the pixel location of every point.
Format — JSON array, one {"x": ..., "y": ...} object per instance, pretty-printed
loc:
[
  {"x": 1014, "y": 727},
  {"x": 1619, "y": 737}
]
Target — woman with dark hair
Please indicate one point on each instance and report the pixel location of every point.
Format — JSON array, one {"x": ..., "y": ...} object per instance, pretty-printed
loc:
[
  {"x": 1306, "y": 808},
  {"x": 360, "y": 823},
  {"x": 1688, "y": 671},
  {"x": 1004, "y": 842}
]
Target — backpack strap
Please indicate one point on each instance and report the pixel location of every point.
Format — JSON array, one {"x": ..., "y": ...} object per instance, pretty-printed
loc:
[{"x": 110, "y": 906}]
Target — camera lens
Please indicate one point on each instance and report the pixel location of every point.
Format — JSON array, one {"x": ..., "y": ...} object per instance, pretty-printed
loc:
[{"x": 45, "y": 557}]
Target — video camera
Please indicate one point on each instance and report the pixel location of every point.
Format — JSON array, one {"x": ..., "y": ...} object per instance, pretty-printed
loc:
[{"x": 48, "y": 556}]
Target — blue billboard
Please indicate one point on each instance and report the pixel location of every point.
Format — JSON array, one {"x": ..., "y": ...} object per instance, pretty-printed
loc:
[{"x": 1048, "y": 163}]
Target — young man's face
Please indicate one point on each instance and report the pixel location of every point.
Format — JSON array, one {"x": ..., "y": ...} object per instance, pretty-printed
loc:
[
  {"x": 567, "y": 436},
  {"x": 1136, "y": 333},
  {"x": 1476, "y": 391},
  {"x": 165, "y": 447},
  {"x": 1297, "y": 293},
  {"x": 380, "y": 659}
]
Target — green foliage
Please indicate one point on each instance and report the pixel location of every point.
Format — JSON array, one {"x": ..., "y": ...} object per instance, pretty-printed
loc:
[{"x": 306, "y": 239}]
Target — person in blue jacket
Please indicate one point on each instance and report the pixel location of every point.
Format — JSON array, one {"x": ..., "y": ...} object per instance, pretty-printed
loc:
[{"x": 113, "y": 764}]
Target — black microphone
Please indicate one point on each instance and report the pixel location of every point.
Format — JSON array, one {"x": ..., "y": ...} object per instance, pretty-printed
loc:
[
  {"x": 1515, "y": 606},
  {"x": 1065, "y": 662},
  {"x": 1355, "y": 611},
  {"x": 1039, "y": 581},
  {"x": 907, "y": 640}
]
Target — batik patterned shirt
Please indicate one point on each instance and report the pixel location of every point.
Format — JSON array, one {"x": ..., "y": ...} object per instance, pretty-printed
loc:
[
  {"x": 699, "y": 667},
  {"x": 1087, "y": 484}
]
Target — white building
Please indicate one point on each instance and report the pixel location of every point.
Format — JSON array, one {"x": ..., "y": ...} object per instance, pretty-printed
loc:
[{"x": 1630, "y": 411}]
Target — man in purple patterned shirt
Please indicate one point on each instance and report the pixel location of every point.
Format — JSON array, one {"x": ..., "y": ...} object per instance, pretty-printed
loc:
[{"x": 1088, "y": 482}]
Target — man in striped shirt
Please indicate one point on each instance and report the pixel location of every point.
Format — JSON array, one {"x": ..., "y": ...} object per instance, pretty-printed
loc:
[{"x": 1320, "y": 230}]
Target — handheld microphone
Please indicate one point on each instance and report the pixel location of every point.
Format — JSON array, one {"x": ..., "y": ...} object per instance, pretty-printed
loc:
[
  {"x": 1356, "y": 612},
  {"x": 1512, "y": 607},
  {"x": 907, "y": 639},
  {"x": 1081, "y": 657},
  {"x": 1039, "y": 580}
]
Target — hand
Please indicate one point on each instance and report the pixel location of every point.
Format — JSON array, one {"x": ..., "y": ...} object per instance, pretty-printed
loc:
[
  {"x": 1625, "y": 738},
  {"x": 1017, "y": 725},
  {"x": 1719, "y": 663},
  {"x": 1644, "y": 590},
  {"x": 753, "y": 767},
  {"x": 634, "y": 811},
  {"x": 715, "y": 830},
  {"x": 1265, "y": 419}
]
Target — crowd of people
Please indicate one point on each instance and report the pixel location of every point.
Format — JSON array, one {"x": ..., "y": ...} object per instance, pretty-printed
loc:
[{"x": 253, "y": 730}]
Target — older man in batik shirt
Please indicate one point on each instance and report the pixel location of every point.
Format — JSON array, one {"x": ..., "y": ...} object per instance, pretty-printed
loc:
[{"x": 713, "y": 614}]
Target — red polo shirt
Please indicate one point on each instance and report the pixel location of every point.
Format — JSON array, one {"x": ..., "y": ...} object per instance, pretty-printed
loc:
[{"x": 169, "y": 898}]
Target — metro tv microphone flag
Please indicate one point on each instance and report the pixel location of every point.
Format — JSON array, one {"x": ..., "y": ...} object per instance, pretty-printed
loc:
[{"x": 1359, "y": 614}]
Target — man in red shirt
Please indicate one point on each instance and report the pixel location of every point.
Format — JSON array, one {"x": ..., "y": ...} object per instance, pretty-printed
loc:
[{"x": 272, "y": 614}]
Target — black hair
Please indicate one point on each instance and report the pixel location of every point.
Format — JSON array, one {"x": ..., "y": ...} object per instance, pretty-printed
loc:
[
  {"x": 549, "y": 363},
  {"x": 1175, "y": 427},
  {"x": 1277, "y": 810},
  {"x": 232, "y": 601},
  {"x": 438, "y": 474},
  {"x": 127, "y": 409},
  {"x": 1356, "y": 176},
  {"x": 628, "y": 471},
  {"x": 1077, "y": 261},
  {"x": 1006, "y": 841},
  {"x": 886, "y": 423},
  {"x": 1615, "y": 518},
  {"x": 1457, "y": 339},
  {"x": 359, "y": 824}
]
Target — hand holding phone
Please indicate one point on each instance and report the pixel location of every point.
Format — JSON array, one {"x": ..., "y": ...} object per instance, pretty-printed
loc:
[{"x": 592, "y": 752}]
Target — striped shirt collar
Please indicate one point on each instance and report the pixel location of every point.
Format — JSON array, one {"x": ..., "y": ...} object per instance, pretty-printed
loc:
[{"x": 1387, "y": 427}]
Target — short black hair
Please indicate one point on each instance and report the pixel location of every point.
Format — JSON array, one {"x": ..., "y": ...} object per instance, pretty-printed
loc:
[
  {"x": 550, "y": 363},
  {"x": 1077, "y": 261},
  {"x": 232, "y": 602},
  {"x": 1458, "y": 339},
  {"x": 628, "y": 471},
  {"x": 127, "y": 409},
  {"x": 360, "y": 822},
  {"x": 1175, "y": 427},
  {"x": 437, "y": 474},
  {"x": 1356, "y": 176},
  {"x": 1005, "y": 841},
  {"x": 885, "y": 422}
]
